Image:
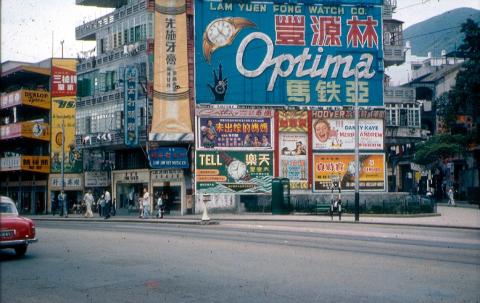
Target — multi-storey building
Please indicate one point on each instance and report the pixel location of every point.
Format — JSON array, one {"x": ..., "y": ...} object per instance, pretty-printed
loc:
[
  {"x": 114, "y": 109},
  {"x": 240, "y": 122},
  {"x": 25, "y": 134}
]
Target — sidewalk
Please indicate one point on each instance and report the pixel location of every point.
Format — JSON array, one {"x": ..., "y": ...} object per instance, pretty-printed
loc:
[{"x": 451, "y": 217}]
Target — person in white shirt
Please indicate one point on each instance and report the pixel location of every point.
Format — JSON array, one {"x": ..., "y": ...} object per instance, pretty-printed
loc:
[
  {"x": 108, "y": 204},
  {"x": 146, "y": 203},
  {"x": 88, "y": 199}
]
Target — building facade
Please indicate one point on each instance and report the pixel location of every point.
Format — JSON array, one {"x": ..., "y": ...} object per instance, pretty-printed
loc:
[
  {"x": 114, "y": 111},
  {"x": 164, "y": 71}
]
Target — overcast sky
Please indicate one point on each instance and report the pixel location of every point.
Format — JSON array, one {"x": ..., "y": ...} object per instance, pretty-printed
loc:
[{"x": 27, "y": 25}]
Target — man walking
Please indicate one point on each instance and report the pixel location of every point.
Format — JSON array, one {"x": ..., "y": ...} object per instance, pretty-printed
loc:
[
  {"x": 63, "y": 204},
  {"x": 451, "y": 200},
  {"x": 146, "y": 203},
  {"x": 88, "y": 199},
  {"x": 108, "y": 204}
]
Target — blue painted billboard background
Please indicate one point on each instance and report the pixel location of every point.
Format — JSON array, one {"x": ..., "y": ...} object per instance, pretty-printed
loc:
[{"x": 272, "y": 54}]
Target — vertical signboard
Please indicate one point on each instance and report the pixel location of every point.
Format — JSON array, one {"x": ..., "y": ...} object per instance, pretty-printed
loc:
[
  {"x": 63, "y": 92},
  {"x": 130, "y": 108},
  {"x": 293, "y": 148},
  {"x": 171, "y": 119},
  {"x": 268, "y": 53}
]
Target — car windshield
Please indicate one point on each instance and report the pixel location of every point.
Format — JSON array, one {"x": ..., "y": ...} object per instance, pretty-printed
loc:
[{"x": 8, "y": 208}]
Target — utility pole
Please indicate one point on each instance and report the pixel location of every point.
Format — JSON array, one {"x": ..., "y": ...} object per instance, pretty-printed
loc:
[
  {"x": 61, "y": 42},
  {"x": 63, "y": 156},
  {"x": 357, "y": 164}
]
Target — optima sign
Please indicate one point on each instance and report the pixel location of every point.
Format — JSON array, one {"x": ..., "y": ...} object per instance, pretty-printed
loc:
[{"x": 271, "y": 54}]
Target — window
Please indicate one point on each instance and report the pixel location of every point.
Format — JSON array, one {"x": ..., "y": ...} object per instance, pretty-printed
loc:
[{"x": 102, "y": 46}]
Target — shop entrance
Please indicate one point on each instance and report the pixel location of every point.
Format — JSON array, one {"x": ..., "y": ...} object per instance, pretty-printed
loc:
[
  {"x": 173, "y": 196},
  {"x": 127, "y": 196}
]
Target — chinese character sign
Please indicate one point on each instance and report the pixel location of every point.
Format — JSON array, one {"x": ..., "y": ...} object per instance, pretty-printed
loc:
[
  {"x": 168, "y": 157},
  {"x": 234, "y": 171},
  {"x": 264, "y": 53},
  {"x": 235, "y": 133},
  {"x": 130, "y": 108},
  {"x": 328, "y": 167},
  {"x": 171, "y": 107},
  {"x": 63, "y": 110}
]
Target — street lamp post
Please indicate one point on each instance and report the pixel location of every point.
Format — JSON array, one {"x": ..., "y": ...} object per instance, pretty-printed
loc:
[{"x": 357, "y": 164}]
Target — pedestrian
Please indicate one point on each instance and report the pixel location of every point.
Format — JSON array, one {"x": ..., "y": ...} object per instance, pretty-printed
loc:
[
  {"x": 108, "y": 204},
  {"x": 88, "y": 199},
  {"x": 101, "y": 205},
  {"x": 160, "y": 205},
  {"x": 146, "y": 203},
  {"x": 54, "y": 205},
  {"x": 63, "y": 204},
  {"x": 451, "y": 200},
  {"x": 140, "y": 206}
]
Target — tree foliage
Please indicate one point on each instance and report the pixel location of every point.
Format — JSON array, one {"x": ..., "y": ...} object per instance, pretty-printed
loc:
[
  {"x": 464, "y": 98},
  {"x": 440, "y": 147}
]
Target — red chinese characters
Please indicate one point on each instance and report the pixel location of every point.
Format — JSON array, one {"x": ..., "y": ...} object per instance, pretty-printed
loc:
[
  {"x": 356, "y": 36},
  {"x": 326, "y": 30},
  {"x": 289, "y": 30}
]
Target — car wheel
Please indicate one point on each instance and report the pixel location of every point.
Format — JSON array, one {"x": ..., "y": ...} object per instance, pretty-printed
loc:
[{"x": 21, "y": 250}]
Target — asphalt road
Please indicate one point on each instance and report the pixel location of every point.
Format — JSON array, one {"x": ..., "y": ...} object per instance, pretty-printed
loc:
[{"x": 243, "y": 262}]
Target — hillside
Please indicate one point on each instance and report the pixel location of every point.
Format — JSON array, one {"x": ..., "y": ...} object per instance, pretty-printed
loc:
[{"x": 439, "y": 32}]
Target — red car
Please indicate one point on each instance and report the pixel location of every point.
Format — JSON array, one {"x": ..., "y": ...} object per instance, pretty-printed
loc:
[{"x": 15, "y": 231}]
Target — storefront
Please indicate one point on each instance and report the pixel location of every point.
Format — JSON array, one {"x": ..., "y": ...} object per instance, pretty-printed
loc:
[
  {"x": 30, "y": 196},
  {"x": 73, "y": 187},
  {"x": 97, "y": 182},
  {"x": 170, "y": 183},
  {"x": 127, "y": 188}
]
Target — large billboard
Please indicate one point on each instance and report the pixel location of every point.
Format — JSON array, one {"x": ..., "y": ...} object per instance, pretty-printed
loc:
[
  {"x": 234, "y": 133},
  {"x": 246, "y": 172},
  {"x": 63, "y": 94},
  {"x": 335, "y": 130},
  {"x": 293, "y": 148},
  {"x": 263, "y": 53},
  {"x": 171, "y": 119},
  {"x": 341, "y": 167}
]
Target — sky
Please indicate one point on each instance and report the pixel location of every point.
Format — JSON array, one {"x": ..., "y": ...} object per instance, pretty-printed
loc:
[{"x": 27, "y": 25}]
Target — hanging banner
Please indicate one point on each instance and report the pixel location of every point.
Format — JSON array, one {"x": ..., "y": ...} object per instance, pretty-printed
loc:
[
  {"x": 335, "y": 130},
  {"x": 268, "y": 53},
  {"x": 234, "y": 133},
  {"x": 329, "y": 167},
  {"x": 63, "y": 113},
  {"x": 234, "y": 172},
  {"x": 130, "y": 108},
  {"x": 171, "y": 106}
]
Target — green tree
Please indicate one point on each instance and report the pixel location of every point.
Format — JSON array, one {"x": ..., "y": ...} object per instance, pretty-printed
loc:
[
  {"x": 439, "y": 147},
  {"x": 464, "y": 97}
]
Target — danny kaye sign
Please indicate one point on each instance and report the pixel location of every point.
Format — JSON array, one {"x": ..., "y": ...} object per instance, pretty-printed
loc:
[{"x": 262, "y": 53}]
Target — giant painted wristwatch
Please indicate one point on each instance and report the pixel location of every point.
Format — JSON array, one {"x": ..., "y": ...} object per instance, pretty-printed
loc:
[
  {"x": 236, "y": 169},
  {"x": 221, "y": 32}
]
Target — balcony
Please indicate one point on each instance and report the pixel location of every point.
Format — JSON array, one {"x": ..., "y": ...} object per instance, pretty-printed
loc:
[
  {"x": 39, "y": 164},
  {"x": 32, "y": 130},
  {"x": 107, "y": 140},
  {"x": 34, "y": 98},
  {"x": 395, "y": 135},
  {"x": 116, "y": 54},
  {"x": 101, "y": 3},
  {"x": 389, "y": 7},
  {"x": 399, "y": 95},
  {"x": 87, "y": 30}
]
